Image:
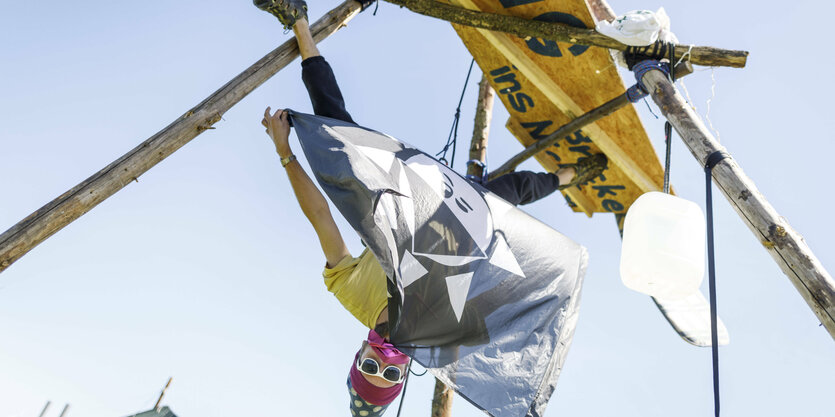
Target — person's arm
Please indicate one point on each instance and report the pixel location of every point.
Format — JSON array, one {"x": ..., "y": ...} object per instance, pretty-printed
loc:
[{"x": 312, "y": 202}]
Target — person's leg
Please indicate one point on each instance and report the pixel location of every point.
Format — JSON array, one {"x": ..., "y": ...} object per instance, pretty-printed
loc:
[
  {"x": 307, "y": 46},
  {"x": 318, "y": 77},
  {"x": 316, "y": 73}
]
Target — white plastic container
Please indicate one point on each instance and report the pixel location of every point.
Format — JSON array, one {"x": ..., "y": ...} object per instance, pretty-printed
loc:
[{"x": 663, "y": 252}]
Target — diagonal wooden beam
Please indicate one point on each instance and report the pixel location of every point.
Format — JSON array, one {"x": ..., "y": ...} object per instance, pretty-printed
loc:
[
  {"x": 682, "y": 69},
  {"x": 52, "y": 217},
  {"x": 690, "y": 316},
  {"x": 782, "y": 242},
  {"x": 700, "y": 55},
  {"x": 575, "y": 194}
]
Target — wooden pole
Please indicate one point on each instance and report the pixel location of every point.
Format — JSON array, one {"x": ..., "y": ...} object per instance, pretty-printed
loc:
[
  {"x": 162, "y": 394},
  {"x": 481, "y": 127},
  {"x": 524, "y": 28},
  {"x": 442, "y": 398},
  {"x": 682, "y": 69},
  {"x": 601, "y": 10},
  {"x": 47, "y": 220},
  {"x": 783, "y": 243}
]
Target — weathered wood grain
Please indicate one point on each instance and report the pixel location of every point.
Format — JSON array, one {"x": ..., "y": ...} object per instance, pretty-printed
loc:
[
  {"x": 700, "y": 55},
  {"x": 481, "y": 126},
  {"x": 52, "y": 217},
  {"x": 783, "y": 243}
]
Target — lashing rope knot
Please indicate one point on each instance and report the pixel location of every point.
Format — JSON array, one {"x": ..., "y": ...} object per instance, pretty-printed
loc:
[{"x": 639, "y": 90}]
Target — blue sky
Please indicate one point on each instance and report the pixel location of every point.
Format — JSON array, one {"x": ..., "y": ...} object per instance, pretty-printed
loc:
[{"x": 205, "y": 269}]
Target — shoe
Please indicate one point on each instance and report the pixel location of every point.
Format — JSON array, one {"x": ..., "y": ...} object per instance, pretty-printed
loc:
[
  {"x": 287, "y": 11},
  {"x": 586, "y": 170}
]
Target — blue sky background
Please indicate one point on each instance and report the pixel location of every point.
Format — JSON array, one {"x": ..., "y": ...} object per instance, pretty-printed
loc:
[{"x": 205, "y": 270}]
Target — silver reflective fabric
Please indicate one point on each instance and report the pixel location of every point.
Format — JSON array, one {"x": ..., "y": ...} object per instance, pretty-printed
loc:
[{"x": 483, "y": 295}]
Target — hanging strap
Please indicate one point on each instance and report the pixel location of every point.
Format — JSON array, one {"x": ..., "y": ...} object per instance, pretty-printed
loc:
[
  {"x": 711, "y": 162},
  {"x": 668, "y": 135}
]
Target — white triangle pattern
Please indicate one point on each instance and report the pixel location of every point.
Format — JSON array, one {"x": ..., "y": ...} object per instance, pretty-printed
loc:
[
  {"x": 383, "y": 159},
  {"x": 410, "y": 269},
  {"x": 458, "y": 287},
  {"x": 503, "y": 257}
]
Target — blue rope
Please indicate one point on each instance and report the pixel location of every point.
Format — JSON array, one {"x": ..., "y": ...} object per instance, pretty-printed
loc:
[
  {"x": 452, "y": 139},
  {"x": 639, "y": 91},
  {"x": 711, "y": 162}
]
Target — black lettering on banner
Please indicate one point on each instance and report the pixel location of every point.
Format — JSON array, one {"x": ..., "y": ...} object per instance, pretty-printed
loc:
[
  {"x": 538, "y": 128},
  {"x": 602, "y": 190},
  {"x": 579, "y": 138},
  {"x": 585, "y": 150},
  {"x": 510, "y": 3},
  {"x": 500, "y": 71},
  {"x": 612, "y": 205},
  {"x": 549, "y": 47},
  {"x": 517, "y": 102},
  {"x": 570, "y": 203},
  {"x": 508, "y": 78},
  {"x": 553, "y": 155}
]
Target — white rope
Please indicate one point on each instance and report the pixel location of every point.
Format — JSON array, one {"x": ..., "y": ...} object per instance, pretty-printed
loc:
[
  {"x": 685, "y": 54},
  {"x": 712, "y": 96}
]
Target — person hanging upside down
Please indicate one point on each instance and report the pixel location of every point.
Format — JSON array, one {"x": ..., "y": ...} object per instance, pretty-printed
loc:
[{"x": 378, "y": 369}]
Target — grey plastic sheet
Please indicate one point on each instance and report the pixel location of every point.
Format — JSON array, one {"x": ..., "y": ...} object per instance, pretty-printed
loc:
[{"x": 483, "y": 295}]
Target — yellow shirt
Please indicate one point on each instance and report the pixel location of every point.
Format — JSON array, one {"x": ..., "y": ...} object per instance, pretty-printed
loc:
[{"x": 360, "y": 285}]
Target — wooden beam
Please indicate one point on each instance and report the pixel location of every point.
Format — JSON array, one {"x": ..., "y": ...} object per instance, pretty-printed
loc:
[
  {"x": 442, "y": 398},
  {"x": 52, "y": 217},
  {"x": 481, "y": 126},
  {"x": 689, "y": 316},
  {"x": 601, "y": 10},
  {"x": 783, "y": 243},
  {"x": 682, "y": 69},
  {"x": 575, "y": 194},
  {"x": 700, "y": 55}
]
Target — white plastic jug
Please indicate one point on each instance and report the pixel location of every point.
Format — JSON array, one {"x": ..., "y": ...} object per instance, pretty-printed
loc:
[{"x": 663, "y": 251}]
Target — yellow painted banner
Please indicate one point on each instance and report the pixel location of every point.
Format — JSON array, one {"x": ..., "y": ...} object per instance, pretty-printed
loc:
[{"x": 545, "y": 84}]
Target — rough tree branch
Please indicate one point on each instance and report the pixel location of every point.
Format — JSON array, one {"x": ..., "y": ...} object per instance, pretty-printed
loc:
[{"x": 700, "y": 55}]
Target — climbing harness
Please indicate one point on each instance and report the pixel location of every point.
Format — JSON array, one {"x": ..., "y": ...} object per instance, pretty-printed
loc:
[
  {"x": 452, "y": 139},
  {"x": 480, "y": 180}
]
